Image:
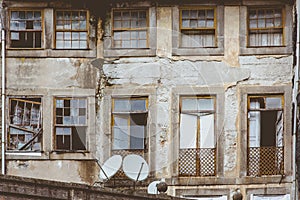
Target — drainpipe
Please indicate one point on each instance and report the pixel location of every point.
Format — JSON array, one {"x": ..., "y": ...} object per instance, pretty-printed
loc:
[
  {"x": 295, "y": 92},
  {"x": 3, "y": 95}
]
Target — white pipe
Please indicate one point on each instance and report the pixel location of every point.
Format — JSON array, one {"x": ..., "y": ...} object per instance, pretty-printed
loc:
[
  {"x": 295, "y": 92},
  {"x": 3, "y": 137}
]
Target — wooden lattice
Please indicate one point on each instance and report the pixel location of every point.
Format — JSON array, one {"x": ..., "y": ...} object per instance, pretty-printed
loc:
[
  {"x": 265, "y": 161},
  {"x": 197, "y": 162},
  {"x": 120, "y": 174}
]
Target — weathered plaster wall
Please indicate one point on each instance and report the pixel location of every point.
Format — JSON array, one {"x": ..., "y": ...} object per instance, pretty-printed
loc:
[{"x": 63, "y": 170}]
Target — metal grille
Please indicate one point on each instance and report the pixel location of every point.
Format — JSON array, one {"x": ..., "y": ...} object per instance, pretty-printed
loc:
[
  {"x": 197, "y": 162},
  {"x": 120, "y": 174},
  {"x": 265, "y": 161}
]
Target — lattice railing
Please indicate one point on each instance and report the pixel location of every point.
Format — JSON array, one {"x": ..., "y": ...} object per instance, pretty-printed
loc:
[
  {"x": 197, "y": 162},
  {"x": 141, "y": 152},
  {"x": 265, "y": 161}
]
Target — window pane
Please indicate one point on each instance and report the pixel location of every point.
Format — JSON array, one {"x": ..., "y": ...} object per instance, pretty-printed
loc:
[
  {"x": 189, "y": 104},
  {"x": 138, "y": 105},
  {"x": 206, "y": 104},
  {"x": 137, "y": 137},
  {"x": 273, "y": 102},
  {"x": 121, "y": 137},
  {"x": 207, "y": 137},
  {"x": 185, "y": 14},
  {"x": 188, "y": 131},
  {"x": 121, "y": 105}
]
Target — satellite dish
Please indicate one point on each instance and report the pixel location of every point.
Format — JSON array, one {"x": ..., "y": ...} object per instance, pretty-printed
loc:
[
  {"x": 152, "y": 189},
  {"x": 135, "y": 167},
  {"x": 110, "y": 167}
]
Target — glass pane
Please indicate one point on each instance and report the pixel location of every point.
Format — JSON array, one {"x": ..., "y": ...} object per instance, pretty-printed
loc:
[
  {"x": 134, "y": 44},
  {"x": 142, "y": 15},
  {"x": 67, "y": 15},
  {"x": 59, "y": 25},
  {"x": 75, "y": 36},
  {"x": 121, "y": 105},
  {"x": 59, "y": 15},
  {"x": 82, "y": 25},
  {"x": 67, "y": 35},
  {"x": 278, "y": 22},
  {"x": 134, "y": 35},
  {"x": 59, "y": 44},
  {"x": 21, "y": 15},
  {"x": 143, "y": 35},
  {"x": 126, "y": 24},
  {"x": 206, "y": 104},
  {"x": 210, "y": 14},
  {"x": 117, "y": 24},
  {"x": 117, "y": 15},
  {"x": 261, "y": 23},
  {"x": 37, "y": 25},
  {"x": 117, "y": 36},
  {"x": 269, "y": 23},
  {"x": 22, "y": 25},
  {"x": 82, "y": 120},
  {"x": 189, "y": 104},
  {"x": 75, "y": 16},
  {"x": 273, "y": 102},
  {"x": 125, "y": 35},
  {"x": 120, "y": 137},
  {"x": 74, "y": 112},
  {"x": 252, "y": 14},
  {"x": 59, "y": 35},
  {"x": 83, "y": 16},
  {"x": 59, "y": 103},
  {"x": 63, "y": 131},
  {"x": 188, "y": 131},
  {"x": 83, "y": 44},
  {"x": 142, "y": 43},
  {"x": 194, "y": 23},
  {"x": 14, "y": 15},
  {"x": 67, "y": 44},
  {"x": 75, "y": 25},
  {"x": 126, "y": 44},
  {"x": 37, "y": 15},
  {"x": 126, "y": 15},
  {"x": 29, "y": 15},
  {"x": 137, "y": 137},
  {"x": 14, "y": 25},
  {"x": 201, "y": 23},
  {"x": 193, "y": 14},
  {"x": 67, "y": 25},
  {"x": 185, "y": 14},
  {"x": 253, "y": 23},
  {"x": 257, "y": 102},
  {"x": 75, "y": 45},
  {"x": 185, "y": 23},
  {"x": 83, "y": 35},
  {"x": 207, "y": 135},
  {"x": 210, "y": 23},
  {"x": 82, "y": 103},
  {"x": 138, "y": 105}
]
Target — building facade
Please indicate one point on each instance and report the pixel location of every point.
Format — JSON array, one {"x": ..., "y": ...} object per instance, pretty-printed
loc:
[{"x": 202, "y": 91}]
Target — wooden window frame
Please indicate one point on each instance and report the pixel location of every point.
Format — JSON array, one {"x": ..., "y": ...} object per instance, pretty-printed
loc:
[
  {"x": 35, "y": 129},
  {"x": 266, "y": 29},
  {"x": 200, "y": 29},
  {"x": 71, "y": 125},
  {"x": 63, "y": 30},
  {"x": 26, "y": 30},
  {"x": 146, "y": 28},
  {"x": 114, "y": 113}
]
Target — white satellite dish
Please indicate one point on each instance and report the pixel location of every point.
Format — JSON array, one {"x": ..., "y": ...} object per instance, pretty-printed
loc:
[
  {"x": 152, "y": 189},
  {"x": 110, "y": 167},
  {"x": 135, "y": 167}
]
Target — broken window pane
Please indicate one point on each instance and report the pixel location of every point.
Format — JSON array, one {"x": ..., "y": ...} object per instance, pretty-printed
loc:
[
  {"x": 129, "y": 128},
  {"x": 24, "y": 22},
  {"x": 25, "y": 124},
  {"x": 71, "y": 121}
]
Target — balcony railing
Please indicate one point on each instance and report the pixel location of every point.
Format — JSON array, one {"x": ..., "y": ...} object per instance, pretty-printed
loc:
[
  {"x": 124, "y": 152},
  {"x": 197, "y": 162},
  {"x": 265, "y": 161}
]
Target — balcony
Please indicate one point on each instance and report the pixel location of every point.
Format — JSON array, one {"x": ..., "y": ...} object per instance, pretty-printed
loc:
[
  {"x": 197, "y": 162},
  {"x": 265, "y": 161}
]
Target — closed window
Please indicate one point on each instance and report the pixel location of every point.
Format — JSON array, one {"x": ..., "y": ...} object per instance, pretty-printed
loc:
[
  {"x": 266, "y": 138},
  {"x": 265, "y": 27},
  {"x": 198, "y": 27},
  {"x": 25, "y": 29},
  {"x": 25, "y": 124},
  {"x": 130, "y": 29},
  {"x": 71, "y": 30},
  {"x": 70, "y": 123},
  {"x": 197, "y": 154},
  {"x": 130, "y": 123}
]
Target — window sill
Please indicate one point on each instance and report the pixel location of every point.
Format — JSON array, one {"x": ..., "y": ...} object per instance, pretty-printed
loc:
[
  {"x": 207, "y": 51},
  {"x": 23, "y": 153},
  {"x": 129, "y": 52},
  {"x": 54, "y": 53},
  {"x": 276, "y": 50}
]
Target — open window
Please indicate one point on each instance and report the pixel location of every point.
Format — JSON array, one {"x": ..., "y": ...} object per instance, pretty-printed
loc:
[
  {"x": 25, "y": 124},
  {"x": 70, "y": 124},
  {"x": 25, "y": 28},
  {"x": 265, "y": 132},
  {"x": 197, "y": 154},
  {"x": 129, "y": 126}
]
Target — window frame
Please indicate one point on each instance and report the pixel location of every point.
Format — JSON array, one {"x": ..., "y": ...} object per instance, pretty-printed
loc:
[
  {"x": 25, "y": 99},
  {"x": 265, "y": 29},
  {"x": 70, "y": 30},
  {"x": 146, "y": 28},
  {"x": 287, "y": 49},
  {"x": 42, "y": 31},
  {"x": 122, "y": 113},
  {"x": 110, "y": 51},
  {"x": 71, "y": 126},
  {"x": 244, "y": 92},
  {"x": 200, "y": 29},
  {"x": 218, "y": 49},
  {"x": 219, "y": 94}
]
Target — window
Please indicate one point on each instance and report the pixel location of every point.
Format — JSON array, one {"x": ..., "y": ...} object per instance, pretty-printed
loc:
[
  {"x": 206, "y": 197},
  {"x": 70, "y": 123},
  {"x": 197, "y": 154},
  {"x": 265, "y": 132},
  {"x": 198, "y": 27},
  {"x": 129, "y": 124},
  {"x": 270, "y": 197},
  {"x": 130, "y": 28},
  {"x": 71, "y": 30},
  {"x": 25, "y": 124},
  {"x": 25, "y": 29},
  {"x": 265, "y": 27}
]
